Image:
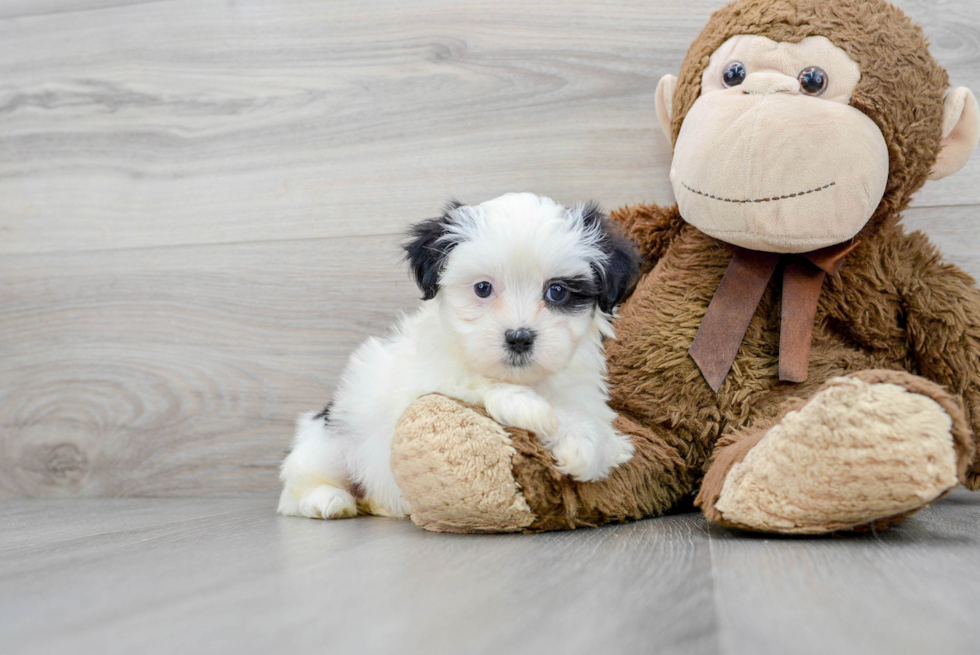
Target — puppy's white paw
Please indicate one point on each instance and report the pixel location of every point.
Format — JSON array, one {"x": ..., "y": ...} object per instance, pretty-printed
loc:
[
  {"x": 621, "y": 449},
  {"x": 589, "y": 457},
  {"x": 522, "y": 408},
  {"x": 323, "y": 502}
]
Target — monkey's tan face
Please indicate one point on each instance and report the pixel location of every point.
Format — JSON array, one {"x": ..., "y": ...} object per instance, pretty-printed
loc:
[{"x": 771, "y": 156}]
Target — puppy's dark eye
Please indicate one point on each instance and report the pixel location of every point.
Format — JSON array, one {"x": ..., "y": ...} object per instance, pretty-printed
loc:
[
  {"x": 734, "y": 74},
  {"x": 483, "y": 289},
  {"x": 813, "y": 81},
  {"x": 556, "y": 293}
]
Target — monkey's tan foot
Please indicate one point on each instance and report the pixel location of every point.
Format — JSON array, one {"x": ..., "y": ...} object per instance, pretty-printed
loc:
[
  {"x": 865, "y": 451},
  {"x": 460, "y": 471},
  {"x": 454, "y": 468}
]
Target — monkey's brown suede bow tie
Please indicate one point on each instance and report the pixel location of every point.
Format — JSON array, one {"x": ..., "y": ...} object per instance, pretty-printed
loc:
[{"x": 724, "y": 324}]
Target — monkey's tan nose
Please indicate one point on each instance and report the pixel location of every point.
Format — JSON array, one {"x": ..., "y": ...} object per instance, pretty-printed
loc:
[{"x": 765, "y": 83}]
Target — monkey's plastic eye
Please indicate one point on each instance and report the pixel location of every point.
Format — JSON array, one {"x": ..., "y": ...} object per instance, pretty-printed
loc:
[
  {"x": 734, "y": 74},
  {"x": 483, "y": 289},
  {"x": 556, "y": 293},
  {"x": 813, "y": 81}
]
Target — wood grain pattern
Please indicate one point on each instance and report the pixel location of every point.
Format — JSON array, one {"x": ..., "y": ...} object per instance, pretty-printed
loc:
[
  {"x": 137, "y": 124},
  {"x": 200, "y": 200},
  {"x": 178, "y": 370},
  {"x": 165, "y": 576}
]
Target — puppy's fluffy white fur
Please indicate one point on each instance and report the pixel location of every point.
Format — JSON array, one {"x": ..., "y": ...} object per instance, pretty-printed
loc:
[{"x": 530, "y": 352}]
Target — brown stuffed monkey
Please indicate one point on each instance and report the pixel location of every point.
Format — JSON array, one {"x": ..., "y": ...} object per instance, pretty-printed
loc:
[{"x": 791, "y": 355}]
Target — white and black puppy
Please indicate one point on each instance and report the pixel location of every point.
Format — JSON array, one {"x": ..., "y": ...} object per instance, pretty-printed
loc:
[{"x": 519, "y": 292}]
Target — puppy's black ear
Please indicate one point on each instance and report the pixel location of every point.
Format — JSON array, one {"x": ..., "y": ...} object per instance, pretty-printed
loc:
[
  {"x": 618, "y": 274},
  {"x": 426, "y": 254}
]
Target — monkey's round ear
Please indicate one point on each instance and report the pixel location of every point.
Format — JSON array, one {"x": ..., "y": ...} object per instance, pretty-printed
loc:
[
  {"x": 961, "y": 130},
  {"x": 665, "y": 100}
]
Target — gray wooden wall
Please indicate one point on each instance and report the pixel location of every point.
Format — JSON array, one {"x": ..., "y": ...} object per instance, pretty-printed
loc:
[{"x": 200, "y": 201}]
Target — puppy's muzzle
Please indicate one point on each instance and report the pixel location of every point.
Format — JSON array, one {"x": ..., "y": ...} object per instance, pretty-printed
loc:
[{"x": 519, "y": 341}]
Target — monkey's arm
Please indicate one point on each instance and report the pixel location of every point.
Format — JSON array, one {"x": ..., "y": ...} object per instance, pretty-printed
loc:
[
  {"x": 943, "y": 313},
  {"x": 651, "y": 227}
]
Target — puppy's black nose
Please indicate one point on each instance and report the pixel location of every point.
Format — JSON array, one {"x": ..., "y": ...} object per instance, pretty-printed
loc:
[{"x": 519, "y": 340}]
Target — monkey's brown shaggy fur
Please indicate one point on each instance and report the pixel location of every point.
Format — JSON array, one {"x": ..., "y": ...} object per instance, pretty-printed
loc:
[{"x": 895, "y": 314}]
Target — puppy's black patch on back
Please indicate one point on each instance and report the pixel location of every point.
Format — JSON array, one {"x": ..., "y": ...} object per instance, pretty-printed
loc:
[
  {"x": 324, "y": 414},
  {"x": 618, "y": 275},
  {"x": 425, "y": 253}
]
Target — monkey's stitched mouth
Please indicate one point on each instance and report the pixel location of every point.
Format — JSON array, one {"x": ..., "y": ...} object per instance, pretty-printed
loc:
[{"x": 774, "y": 198}]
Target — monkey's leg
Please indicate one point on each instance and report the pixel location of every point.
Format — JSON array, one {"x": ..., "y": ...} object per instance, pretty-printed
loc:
[
  {"x": 865, "y": 451},
  {"x": 460, "y": 471}
]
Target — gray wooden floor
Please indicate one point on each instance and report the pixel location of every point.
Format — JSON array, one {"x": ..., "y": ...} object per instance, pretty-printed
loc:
[{"x": 227, "y": 576}]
